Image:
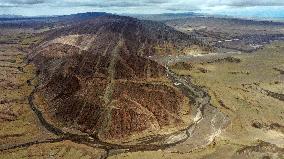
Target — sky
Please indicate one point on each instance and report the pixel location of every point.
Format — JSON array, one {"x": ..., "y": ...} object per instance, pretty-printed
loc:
[{"x": 238, "y": 8}]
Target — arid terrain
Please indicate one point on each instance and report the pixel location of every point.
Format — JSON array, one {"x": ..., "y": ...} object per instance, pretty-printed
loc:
[
  {"x": 226, "y": 34},
  {"x": 116, "y": 87}
]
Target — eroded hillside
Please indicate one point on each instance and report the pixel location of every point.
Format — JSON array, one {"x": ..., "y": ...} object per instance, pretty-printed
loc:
[{"x": 95, "y": 79}]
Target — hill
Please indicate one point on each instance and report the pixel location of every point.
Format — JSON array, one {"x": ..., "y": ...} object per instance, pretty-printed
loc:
[{"x": 95, "y": 78}]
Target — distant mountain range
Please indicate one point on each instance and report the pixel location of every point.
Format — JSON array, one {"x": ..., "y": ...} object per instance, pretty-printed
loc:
[
  {"x": 155, "y": 17},
  {"x": 37, "y": 22},
  {"x": 81, "y": 16},
  {"x": 172, "y": 16},
  {"x": 10, "y": 16},
  {"x": 164, "y": 16}
]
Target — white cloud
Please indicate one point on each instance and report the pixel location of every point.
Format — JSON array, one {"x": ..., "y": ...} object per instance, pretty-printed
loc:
[{"x": 129, "y": 6}]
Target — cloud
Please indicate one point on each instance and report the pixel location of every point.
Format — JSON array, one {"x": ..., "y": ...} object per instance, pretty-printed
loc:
[
  {"x": 19, "y": 3},
  {"x": 130, "y": 6},
  {"x": 110, "y": 3},
  {"x": 102, "y": 4},
  {"x": 22, "y": 2},
  {"x": 245, "y": 3},
  {"x": 171, "y": 4}
]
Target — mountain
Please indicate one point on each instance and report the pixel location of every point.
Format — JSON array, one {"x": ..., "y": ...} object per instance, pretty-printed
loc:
[
  {"x": 166, "y": 16},
  {"x": 40, "y": 22},
  {"x": 10, "y": 16},
  {"x": 81, "y": 16},
  {"x": 95, "y": 78}
]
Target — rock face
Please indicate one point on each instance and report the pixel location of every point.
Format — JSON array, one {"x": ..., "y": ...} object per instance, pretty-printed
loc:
[{"x": 95, "y": 79}]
